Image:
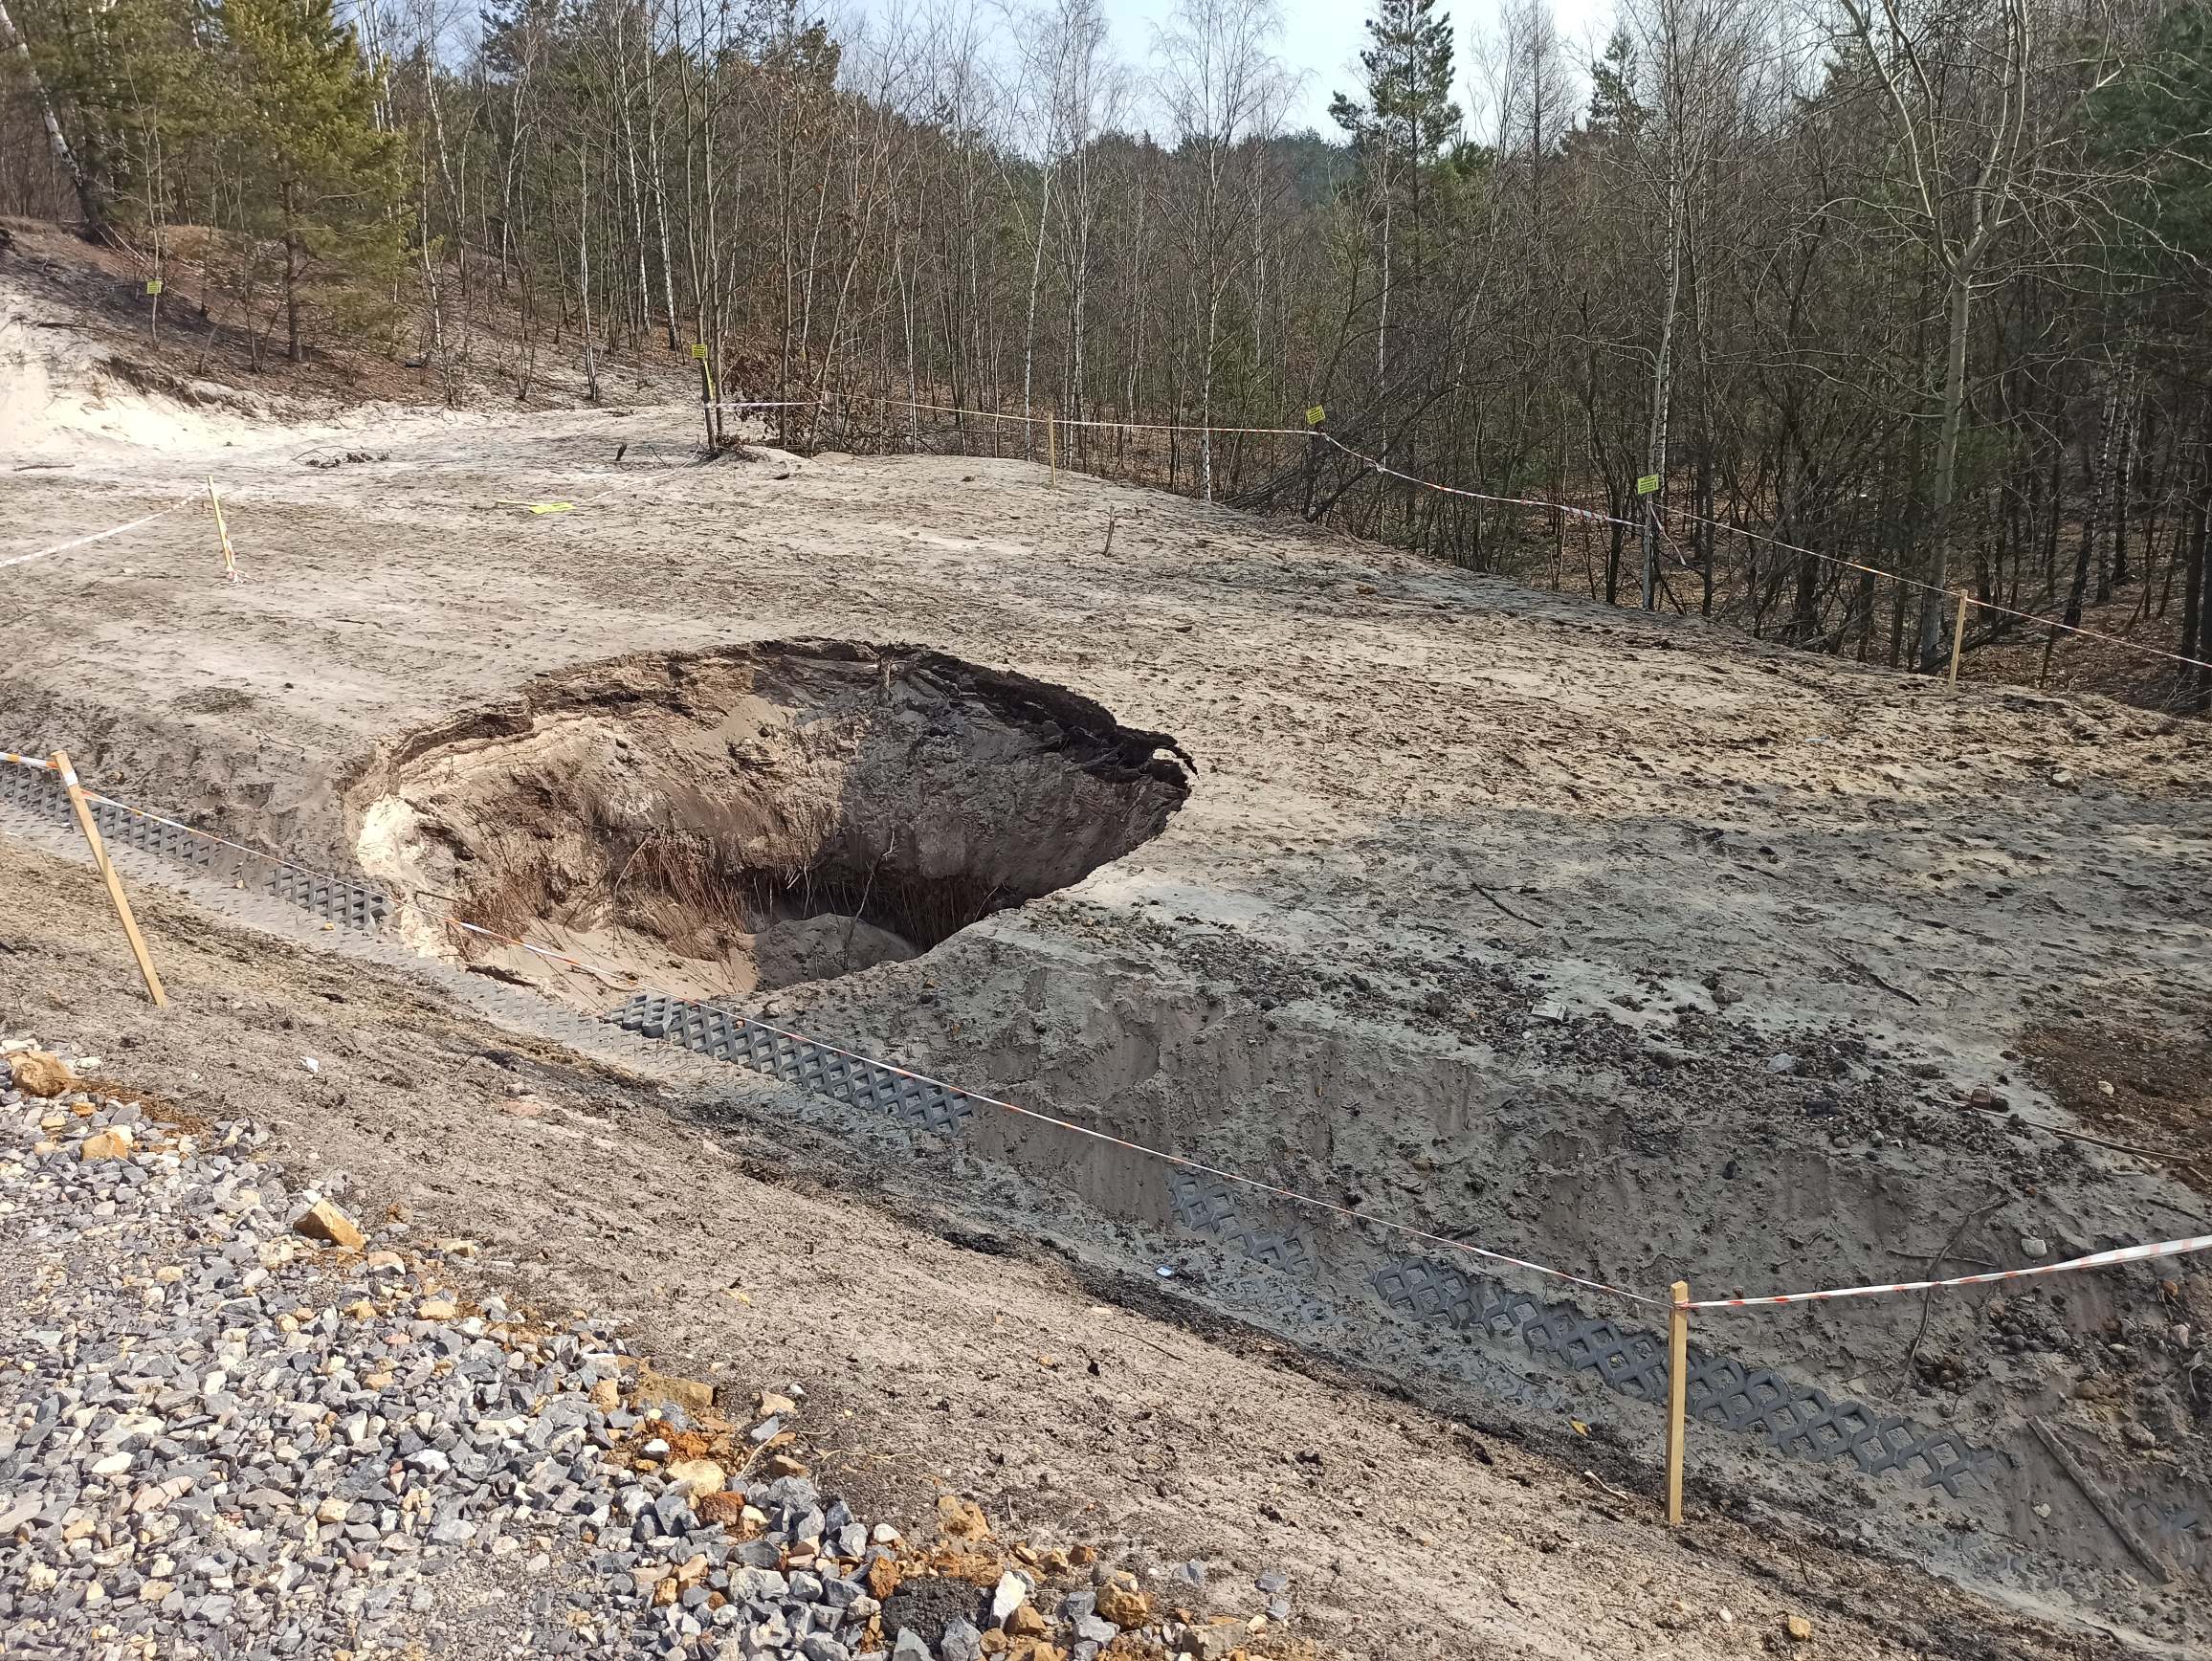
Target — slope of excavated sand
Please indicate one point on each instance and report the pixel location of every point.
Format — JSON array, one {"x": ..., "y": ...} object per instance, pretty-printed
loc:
[
  {"x": 1492, "y": 911},
  {"x": 728, "y": 1238}
]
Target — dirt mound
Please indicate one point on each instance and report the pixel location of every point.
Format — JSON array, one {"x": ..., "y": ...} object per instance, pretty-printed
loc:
[{"x": 764, "y": 816}]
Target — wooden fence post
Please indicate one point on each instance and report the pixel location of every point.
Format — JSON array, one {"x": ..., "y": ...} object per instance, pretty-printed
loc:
[
  {"x": 222, "y": 531},
  {"x": 106, "y": 869},
  {"x": 1957, "y": 637},
  {"x": 1053, "y": 449},
  {"x": 1678, "y": 1395}
]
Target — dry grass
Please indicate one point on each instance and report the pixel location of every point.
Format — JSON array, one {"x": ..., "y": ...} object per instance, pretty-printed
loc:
[{"x": 161, "y": 1108}]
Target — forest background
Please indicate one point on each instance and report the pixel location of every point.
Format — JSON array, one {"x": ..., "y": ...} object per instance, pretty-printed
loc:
[{"x": 1820, "y": 311}]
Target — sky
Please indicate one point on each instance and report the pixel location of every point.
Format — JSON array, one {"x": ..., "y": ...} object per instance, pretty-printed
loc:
[{"x": 1323, "y": 38}]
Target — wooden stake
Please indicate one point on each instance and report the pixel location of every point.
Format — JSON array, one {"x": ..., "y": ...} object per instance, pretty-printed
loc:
[
  {"x": 1678, "y": 1395},
  {"x": 107, "y": 867},
  {"x": 1053, "y": 449},
  {"x": 1957, "y": 637},
  {"x": 222, "y": 530}
]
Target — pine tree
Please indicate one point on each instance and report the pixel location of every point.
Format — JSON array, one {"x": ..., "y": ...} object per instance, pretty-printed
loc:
[
  {"x": 1614, "y": 106},
  {"x": 1398, "y": 134},
  {"x": 1408, "y": 112},
  {"x": 321, "y": 180}
]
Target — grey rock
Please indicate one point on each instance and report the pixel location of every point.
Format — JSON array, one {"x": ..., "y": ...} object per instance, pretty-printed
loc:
[{"x": 758, "y": 1582}]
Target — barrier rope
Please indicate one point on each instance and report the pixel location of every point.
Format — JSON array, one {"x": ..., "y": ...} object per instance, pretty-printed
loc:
[
  {"x": 1591, "y": 514},
  {"x": 1950, "y": 595},
  {"x": 1374, "y": 465},
  {"x": 2095, "y": 1260},
  {"x": 1294, "y": 1195},
  {"x": 100, "y": 536},
  {"x": 1032, "y": 420},
  {"x": 611, "y": 977}
]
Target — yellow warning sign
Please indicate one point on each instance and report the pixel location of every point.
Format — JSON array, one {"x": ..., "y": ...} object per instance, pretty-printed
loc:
[
  {"x": 1316, "y": 415},
  {"x": 1647, "y": 485},
  {"x": 698, "y": 349},
  {"x": 153, "y": 285}
]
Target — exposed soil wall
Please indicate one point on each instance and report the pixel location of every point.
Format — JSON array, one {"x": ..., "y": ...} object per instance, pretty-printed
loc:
[{"x": 761, "y": 815}]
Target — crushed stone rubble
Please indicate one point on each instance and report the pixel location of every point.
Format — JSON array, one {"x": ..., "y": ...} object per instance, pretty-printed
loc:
[{"x": 232, "y": 1425}]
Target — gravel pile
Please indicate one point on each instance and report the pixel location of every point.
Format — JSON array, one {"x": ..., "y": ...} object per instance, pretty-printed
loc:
[{"x": 233, "y": 1426}]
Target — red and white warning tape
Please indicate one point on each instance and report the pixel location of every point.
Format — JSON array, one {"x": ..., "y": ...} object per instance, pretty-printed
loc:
[{"x": 2095, "y": 1260}]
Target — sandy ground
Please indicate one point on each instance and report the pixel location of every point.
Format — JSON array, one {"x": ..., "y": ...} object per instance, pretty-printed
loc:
[
  {"x": 1490, "y": 910},
  {"x": 746, "y": 1248}
]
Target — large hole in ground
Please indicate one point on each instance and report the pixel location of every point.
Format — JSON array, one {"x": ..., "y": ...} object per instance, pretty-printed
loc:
[{"x": 735, "y": 821}]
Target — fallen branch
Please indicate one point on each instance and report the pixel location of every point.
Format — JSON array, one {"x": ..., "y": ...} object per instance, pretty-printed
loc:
[
  {"x": 2103, "y": 1502},
  {"x": 1934, "y": 1271},
  {"x": 1502, "y": 906},
  {"x": 2172, "y": 1155},
  {"x": 1605, "y": 1487},
  {"x": 1861, "y": 969}
]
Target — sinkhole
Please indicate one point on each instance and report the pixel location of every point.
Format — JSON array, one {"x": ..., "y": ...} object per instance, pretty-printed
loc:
[{"x": 733, "y": 821}]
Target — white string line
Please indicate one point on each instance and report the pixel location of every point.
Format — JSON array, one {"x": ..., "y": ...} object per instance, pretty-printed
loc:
[
  {"x": 1960, "y": 594},
  {"x": 1570, "y": 511},
  {"x": 1773, "y": 541},
  {"x": 99, "y": 536},
  {"x": 611, "y": 977},
  {"x": 1227, "y": 1176},
  {"x": 1073, "y": 421},
  {"x": 2095, "y": 1260},
  {"x": 1592, "y": 515}
]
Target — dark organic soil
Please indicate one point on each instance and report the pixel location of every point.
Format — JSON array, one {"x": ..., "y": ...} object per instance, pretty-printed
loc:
[
  {"x": 926, "y": 1606},
  {"x": 2149, "y": 1089}
]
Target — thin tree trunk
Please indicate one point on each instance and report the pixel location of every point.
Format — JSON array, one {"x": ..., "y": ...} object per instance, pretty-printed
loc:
[
  {"x": 1662, "y": 387},
  {"x": 584, "y": 269},
  {"x": 88, "y": 197}
]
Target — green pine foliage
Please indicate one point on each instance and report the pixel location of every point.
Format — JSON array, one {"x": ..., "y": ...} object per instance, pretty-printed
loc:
[
  {"x": 1408, "y": 109},
  {"x": 327, "y": 182},
  {"x": 2155, "y": 122},
  {"x": 241, "y": 135}
]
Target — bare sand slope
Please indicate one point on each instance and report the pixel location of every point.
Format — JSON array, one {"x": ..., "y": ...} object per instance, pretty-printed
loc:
[
  {"x": 1628, "y": 946},
  {"x": 743, "y": 1244}
]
